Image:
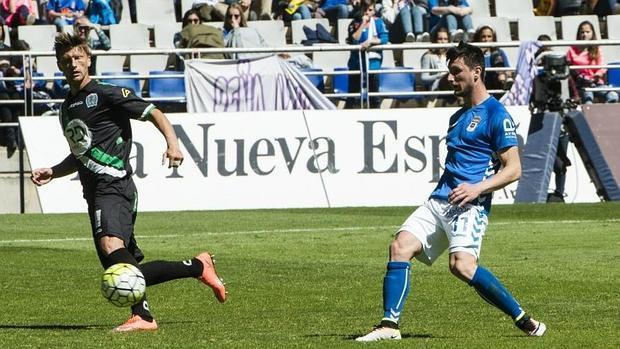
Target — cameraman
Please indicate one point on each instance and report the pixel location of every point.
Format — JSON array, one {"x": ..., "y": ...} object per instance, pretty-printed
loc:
[{"x": 589, "y": 77}]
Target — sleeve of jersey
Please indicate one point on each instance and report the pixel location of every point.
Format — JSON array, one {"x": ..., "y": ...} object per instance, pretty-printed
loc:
[
  {"x": 503, "y": 132},
  {"x": 124, "y": 100}
]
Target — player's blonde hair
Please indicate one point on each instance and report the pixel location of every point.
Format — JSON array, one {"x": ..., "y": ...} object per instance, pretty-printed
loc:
[{"x": 65, "y": 42}]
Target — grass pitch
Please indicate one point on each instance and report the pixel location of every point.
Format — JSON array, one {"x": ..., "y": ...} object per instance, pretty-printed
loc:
[{"x": 312, "y": 278}]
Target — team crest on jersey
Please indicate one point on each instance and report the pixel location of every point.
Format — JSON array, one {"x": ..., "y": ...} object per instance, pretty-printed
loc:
[
  {"x": 125, "y": 92},
  {"x": 92, "y": 100},
  {"x": 473, "y": 124}
]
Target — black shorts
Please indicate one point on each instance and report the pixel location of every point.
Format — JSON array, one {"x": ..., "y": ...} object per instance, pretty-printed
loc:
[{"x": 113, "y": 213}]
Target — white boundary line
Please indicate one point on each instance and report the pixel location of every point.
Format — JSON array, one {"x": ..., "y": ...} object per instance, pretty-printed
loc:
[{"x": 302, "y": 230}]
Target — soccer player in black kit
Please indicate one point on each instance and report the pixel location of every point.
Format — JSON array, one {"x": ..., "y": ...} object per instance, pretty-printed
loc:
[{"x": 95, "y": 121}]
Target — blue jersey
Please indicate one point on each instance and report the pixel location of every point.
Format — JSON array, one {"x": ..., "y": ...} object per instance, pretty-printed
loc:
[{"x": 474, "y": 137}]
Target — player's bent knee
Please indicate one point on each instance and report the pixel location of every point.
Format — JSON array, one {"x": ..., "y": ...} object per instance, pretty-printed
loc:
[
  {"x": 463, "y": 270},
  {"x": 109, "y": 244},
  {"x": 404, "y": 247}
]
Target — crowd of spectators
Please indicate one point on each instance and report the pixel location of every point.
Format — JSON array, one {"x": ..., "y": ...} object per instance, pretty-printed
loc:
[{"x": 371, "y": 23}]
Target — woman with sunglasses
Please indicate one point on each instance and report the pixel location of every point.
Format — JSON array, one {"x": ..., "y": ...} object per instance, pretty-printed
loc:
[{"x": 238, "y": 34}]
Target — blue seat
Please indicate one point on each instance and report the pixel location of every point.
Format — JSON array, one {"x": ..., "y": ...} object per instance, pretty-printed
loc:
[
  {"x": 613, "y": 75},
  {"x": 38, "y": 84},
  {"x": 316, "y": 80},
  {"x": 167, "y": 87},
  {"x": 130, "y": 83},
  {"x": 340, "y": 82},
  {"x": 60, "y": 88},
  {"x": 397, "y": 82}
]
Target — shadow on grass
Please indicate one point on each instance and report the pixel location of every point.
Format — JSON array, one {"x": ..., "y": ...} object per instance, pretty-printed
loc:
[
  {"x": 353, "y": 336},
  {"x": 71, "y": 327},
  {"x": 51, "y": 327}
]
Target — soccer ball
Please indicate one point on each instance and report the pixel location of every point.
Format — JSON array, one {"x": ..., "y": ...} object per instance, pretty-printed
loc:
[{"x": 123, "y": 284}]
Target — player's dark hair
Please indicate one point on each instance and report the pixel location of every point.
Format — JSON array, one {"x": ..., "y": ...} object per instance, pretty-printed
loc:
[
  {"x": 65, "y": 42},
  {"x": 472, "y": 56}
]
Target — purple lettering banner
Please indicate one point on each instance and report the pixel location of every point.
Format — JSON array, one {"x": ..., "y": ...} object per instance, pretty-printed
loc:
[{"x": 258, "y": 84}]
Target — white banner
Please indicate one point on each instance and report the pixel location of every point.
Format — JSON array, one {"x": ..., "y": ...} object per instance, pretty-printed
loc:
[
  {"x": 255, "y": 84},
  {"x": 266, "y": 160}
]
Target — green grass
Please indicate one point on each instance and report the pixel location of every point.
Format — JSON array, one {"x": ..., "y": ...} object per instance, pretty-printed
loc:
[{"x": 311, "y": 278}]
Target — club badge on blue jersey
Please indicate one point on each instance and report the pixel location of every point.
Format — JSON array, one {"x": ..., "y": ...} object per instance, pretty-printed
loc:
[
  {"x": 473, "y": 124},
  {"x": 92, "y": 100}
]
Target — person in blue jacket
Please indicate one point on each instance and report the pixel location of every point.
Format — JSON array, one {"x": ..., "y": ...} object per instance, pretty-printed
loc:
[{"x": 366, "y": 30}]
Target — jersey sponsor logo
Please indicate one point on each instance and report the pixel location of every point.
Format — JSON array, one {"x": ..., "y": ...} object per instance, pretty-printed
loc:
[
  {"x": 78, "y": 136},
  {"x": 473, "y": 124},
  {"x": 125, "y": 92},
  {"x": 75, "y": 104},
  {"x": 509, "y": 129},
  {"x": 92, "y": 100}
]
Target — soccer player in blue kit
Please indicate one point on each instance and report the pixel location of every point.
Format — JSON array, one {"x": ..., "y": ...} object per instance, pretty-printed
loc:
[{"x": 482, "y": 157}]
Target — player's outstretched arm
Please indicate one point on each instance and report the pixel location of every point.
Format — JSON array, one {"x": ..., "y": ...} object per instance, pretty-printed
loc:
[
  {"x": 173, "y": 152},
  {"x": 510, "y": 172},
  {"x": 41, "y": 176}
]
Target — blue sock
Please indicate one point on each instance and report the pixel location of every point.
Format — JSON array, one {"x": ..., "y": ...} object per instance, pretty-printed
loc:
[
  {"x": 395, "y": 290},
  {"x": 492, "y": 291}
]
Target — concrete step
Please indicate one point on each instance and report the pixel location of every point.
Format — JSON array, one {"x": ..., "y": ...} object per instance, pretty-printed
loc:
[{"x": 9, "y": 185}]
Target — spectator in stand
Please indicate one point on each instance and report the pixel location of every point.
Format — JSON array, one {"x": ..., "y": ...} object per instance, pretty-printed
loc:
[
  {"x": 265, "y": 10},
  {"x": 64, "y": 12},
  {"x": 493, "y": 57},
  {"x": 10, "y": 66},
  {"x": 568, "y": 7},
  {"x": 97, "y": 41},
  {"x": 192, "y": 16},
  {"x": 435, "y": 58},
  {"x": 589, "y": 55},
  {"x": 210, "y": 10},
  {"x": 19, "y": 12},
  {"x": 100, "y": 12},
  {"x": 454, "y": 15},
  {"x": 412, "y": 14},
  {"x": 366, "y": 30},
  {"x": 292, "y": 10},
  {"x": 545, "y": 8},
  {"x": 238, "y": 34},
  {"x": 333, "y": 10}
]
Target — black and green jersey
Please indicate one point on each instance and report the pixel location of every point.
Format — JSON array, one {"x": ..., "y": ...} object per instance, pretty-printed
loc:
[{"x": 96, "y": 125}]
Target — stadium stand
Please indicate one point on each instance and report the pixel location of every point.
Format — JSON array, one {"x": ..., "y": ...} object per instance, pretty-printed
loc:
[
  {"x": 40, "y": 38},
  {"x": 531, "y": 27},
  {"x": 612, "y": 53},
  {"x": 341, "y": 30},
  {"x": 274, "y": 32},
  {"x": 513, "y": 9},
  {"x": 131, "y": 83},
  {"x": 613, "y": 75},
  {"x": 125, "y": 14},
  {"x": 164, "y": 34},
  {"x": 297, "y": 32},
  {"x": 340, "y": 83},
  {"x": 166, "y": 87},
  {"x": 317, "y": 80},
  {"x": 480, "y": 8},
  {"x": 501, "y": 26},
  {"x": 397, "y": 82},
  {"x": 155, "y": 12}
]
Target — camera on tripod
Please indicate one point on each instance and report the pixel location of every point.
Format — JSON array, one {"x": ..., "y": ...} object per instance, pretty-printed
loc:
[{"x": 551, "y": 86}]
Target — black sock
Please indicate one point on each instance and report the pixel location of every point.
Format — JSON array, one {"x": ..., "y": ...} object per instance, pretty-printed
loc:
[
  {"x": 142, "y": 309},
  {"x": 157, "y": 272},
  {"x": 120, "y": 256},
  {"x": 123, "y": 256}
]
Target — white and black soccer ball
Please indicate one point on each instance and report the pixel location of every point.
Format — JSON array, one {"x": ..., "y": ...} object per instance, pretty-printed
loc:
[{"x": 123, "y": 285}]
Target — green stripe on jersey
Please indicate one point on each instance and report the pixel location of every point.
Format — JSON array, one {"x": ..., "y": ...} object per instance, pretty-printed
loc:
[{"x": 107, "y": 159}]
